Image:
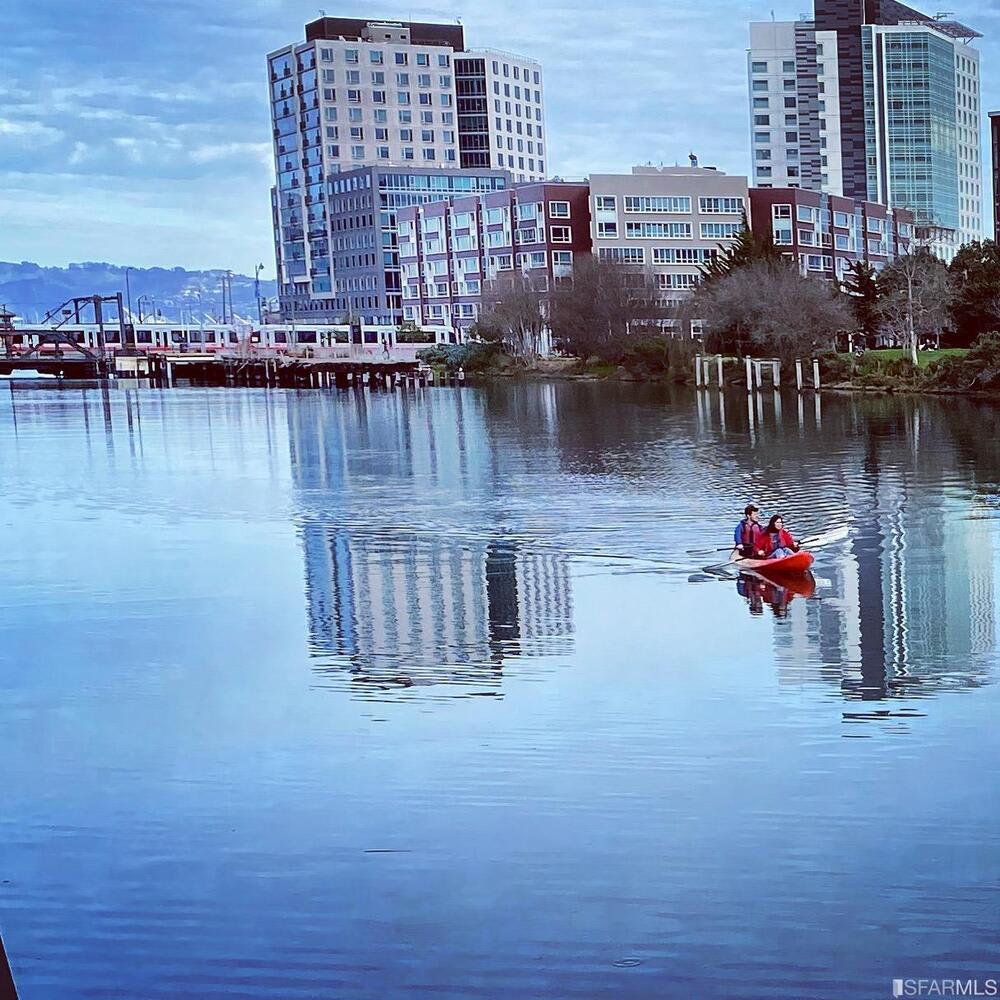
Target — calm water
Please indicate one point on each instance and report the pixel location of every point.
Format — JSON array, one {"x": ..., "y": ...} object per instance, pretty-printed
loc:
[{"x": 372, "y": 696}]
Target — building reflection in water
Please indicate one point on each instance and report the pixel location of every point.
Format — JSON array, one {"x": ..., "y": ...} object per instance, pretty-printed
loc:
[
  {"x": 399, "y": 613},
  {"x": 393, "y": 595},
  {"x": 909, "y": 606}
]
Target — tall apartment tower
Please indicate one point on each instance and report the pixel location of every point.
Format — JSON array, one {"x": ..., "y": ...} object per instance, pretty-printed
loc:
[
  {"x": 995, "y": 150},
  {"x": 359, "y": 93},
  {"x": 875, "y": 101}
]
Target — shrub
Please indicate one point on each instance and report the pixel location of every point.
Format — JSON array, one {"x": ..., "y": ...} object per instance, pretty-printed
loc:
[{"x": 475, "y": 357}]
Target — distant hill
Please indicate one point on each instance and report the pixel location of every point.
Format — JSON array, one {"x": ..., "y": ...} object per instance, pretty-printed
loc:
[{"x": 30, "y": 291}]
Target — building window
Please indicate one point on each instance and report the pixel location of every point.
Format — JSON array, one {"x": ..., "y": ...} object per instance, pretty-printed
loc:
[
  {"x": 607, "y": 230},
  {"x": 720, "y": 230},
  {"x": 624, "y": 255},
  {"x": 401, "y": 58},
  {"x": 605, "y": 203},
  {"x": 758, "y": 67},
  {"x": 760, "y": 85},
  {"x": 788, "y": 66},
  {"x": 720, "y": 206},
  {"x": 658, "y": 230},
  {"x": 559, "y": 209},
  {"x": 762, "y": 119},
  {"x": 646, "y": 203},
  {"x": 761, "y": 102},
  {"x": 375, "y": 56},
  {"x": 560, "y": 234}
]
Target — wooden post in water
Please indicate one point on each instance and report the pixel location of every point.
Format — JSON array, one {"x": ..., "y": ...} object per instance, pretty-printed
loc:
[
  {"x": 776, "y": 373},
  {"x": 749, "y": 364},
  {"x": 697, "y": 371},
  {"x": 718, "y": 368},
  {"x": 816, "y": 374},
  {"x": 798, "y": 374}
]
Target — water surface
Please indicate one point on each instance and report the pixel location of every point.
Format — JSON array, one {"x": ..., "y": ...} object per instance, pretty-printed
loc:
[{"x": 360, "y": 695}]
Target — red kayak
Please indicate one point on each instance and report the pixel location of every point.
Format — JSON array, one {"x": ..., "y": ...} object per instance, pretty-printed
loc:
[{"x": 798, "y": 562}]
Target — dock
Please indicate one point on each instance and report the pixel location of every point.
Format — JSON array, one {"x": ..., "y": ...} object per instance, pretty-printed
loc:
[{"x": 279, "y": 371}]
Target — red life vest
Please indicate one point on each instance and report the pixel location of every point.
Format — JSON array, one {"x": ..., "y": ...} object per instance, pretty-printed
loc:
[{"x": 750, "y": 533}]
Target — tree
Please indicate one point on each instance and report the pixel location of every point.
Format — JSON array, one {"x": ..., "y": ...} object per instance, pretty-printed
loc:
[
  {"x": 862, "y": 287},
  {"x": 771, "y": 306},
  {"x": 916, "y": 297},
  {"x": 975, "y": 274},
  {"x": 747, "y": 248},
  {"x": 603, "y": 307},
  {"x": 513, "y": 313}
]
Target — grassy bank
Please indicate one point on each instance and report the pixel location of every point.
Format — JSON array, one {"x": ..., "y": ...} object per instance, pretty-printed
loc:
[{"x": 924, "y": 358}]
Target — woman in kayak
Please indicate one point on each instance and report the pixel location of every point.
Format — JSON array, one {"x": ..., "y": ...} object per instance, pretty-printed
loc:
[{"x": 777, "y": 542}]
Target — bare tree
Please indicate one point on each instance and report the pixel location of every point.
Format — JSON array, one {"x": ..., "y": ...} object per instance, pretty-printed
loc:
[
  {"x": 916, "y": 298},
  {"x": 604, "y": 306},
  {"x": 513, "y": 312},
  {"x": 771, "y": 306}
]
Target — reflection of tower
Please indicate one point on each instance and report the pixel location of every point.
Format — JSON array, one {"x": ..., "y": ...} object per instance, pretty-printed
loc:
[
  {"x": 404, "y": 605},
  {"x": 501, "y": 592},
  {"x": 912, "y": 596}
]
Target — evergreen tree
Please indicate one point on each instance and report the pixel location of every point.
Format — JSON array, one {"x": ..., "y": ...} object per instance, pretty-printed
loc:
[
  {"x": 975, "y": 274},
  {"x": 863, "y": 288},
  {"x": 746, "y": 249}
]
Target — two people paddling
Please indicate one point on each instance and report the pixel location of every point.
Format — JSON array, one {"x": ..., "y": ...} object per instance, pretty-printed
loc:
[{"x": 755, "y": 541}]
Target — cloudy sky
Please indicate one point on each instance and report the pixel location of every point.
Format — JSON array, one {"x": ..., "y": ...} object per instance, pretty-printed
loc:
[{"x": 137, "y": 132}]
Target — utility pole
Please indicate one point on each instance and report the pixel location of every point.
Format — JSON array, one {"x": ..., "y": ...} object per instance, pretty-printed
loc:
[{"x": 128, "y": 293}]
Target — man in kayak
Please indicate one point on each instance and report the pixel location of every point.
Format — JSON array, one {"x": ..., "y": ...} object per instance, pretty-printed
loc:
[
  {"x": 748, "y": 535},
  {"x": 777, "y": 542}
]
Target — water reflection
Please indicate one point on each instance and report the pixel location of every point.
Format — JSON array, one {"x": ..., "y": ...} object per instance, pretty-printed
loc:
[
  {"x": 394, "y": 598},
  {"x": 404, "y": 613},
  {"x": 439, "y": 530}
]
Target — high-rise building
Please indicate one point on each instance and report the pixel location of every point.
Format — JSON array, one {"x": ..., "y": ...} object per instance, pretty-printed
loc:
[
  {"x": 874, "y": 101},
  {"x": 361, "y": 92},
  {"x": 995, "y": 150}
]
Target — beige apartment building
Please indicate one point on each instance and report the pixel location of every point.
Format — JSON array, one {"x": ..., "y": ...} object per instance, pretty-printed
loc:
[{"x": 671, "y": 220}]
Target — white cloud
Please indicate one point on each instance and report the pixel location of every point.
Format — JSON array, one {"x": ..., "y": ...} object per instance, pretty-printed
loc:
[{"x": 29, "y": 130}]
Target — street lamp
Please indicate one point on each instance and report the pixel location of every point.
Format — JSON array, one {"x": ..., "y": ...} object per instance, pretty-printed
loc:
[
  {"x": 141, "y": 298},
  {"x": 256, "y": 292}
]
